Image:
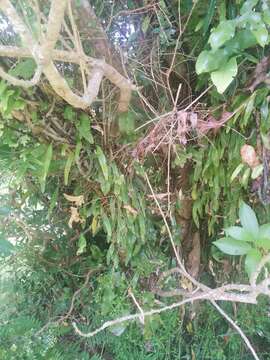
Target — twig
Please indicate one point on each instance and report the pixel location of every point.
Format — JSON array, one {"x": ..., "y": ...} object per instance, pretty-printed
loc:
[
  {"x": 137, "y": 304},
  {"x": 69, "y": 312},
  {"x": 237, "y": 328}
]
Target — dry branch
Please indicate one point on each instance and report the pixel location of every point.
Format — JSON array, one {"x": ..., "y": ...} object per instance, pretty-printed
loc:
[{"x": 243, "y": 293}]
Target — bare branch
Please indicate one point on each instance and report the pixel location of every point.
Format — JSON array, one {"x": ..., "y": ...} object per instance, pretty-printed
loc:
[{"x": 56, "y": 16}]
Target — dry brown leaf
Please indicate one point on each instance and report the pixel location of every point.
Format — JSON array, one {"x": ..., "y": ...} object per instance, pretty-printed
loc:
[
  {"x": 78, "y": 200},
  {"x": 74, "y": 217},
  {"x": 130, "y": 209}
]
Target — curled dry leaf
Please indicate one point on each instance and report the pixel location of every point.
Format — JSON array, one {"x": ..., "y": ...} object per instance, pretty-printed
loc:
[
  {"x": 249, "y": 156},
  {"x": 78, "y": 200},
  {"x": 74, "y": 217}
]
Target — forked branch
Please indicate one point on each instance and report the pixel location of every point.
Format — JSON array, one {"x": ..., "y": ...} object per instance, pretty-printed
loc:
[{"x": 44, "y": 53}]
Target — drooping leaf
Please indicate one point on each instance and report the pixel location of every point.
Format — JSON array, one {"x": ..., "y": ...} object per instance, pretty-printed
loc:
[
  {"x": 78, "y": 151},
  {"x": 232, "y": 247},
  {"x": 107, "y": 224},
  {"x": 145, "y": 24},
  {"x": 249, "y": 108},
  {"x": 224, "y": 32},
  {"x": 81, "y": 245},
  {"x": 67, "y": 169},
  {"x": 53, "y": 201},
  {"x": 209, "y": 15},
  {"x": 102, "y": 162},
  {"x": 245, "y": 177},
  {"x": 84, "y": 128},
  {"x": 249, "y": 220},
  {"x": 237, "y": 171},
  {"x": 252, "y": 261},
  {"x": 225, "y": 75},
  {"x": 46, "y": 166}
]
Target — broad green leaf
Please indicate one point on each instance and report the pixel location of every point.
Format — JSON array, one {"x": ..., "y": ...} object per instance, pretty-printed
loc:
[
  {"x": 248, "y": 6},
  {"x": 257, "y": 171},
  {"x": 6, "y": 248},
  {"x": 232, "y": 247},
  {"x": 264, "y": 237},
  {"x": 81, "y": 245},
  {"x": 249, "y": 220},
  {"x": 224, "y": 32},
  {"x": 68, "y": 165},
  {"x": 235, "y": 232},
  {"x": 249, "y": 108},
  {"x": 261, "y": 35},
  {"x": 239, "y": 233},
  {"x": 102, "y": 162},
  {"x": 46, "y": 166},
  {"x": 84, "y": 128},
  {"x": 244, "y": 39},
  {"x": 209, "y": 61},
  {"x": 237, "y": 171},
  {"x": 252, "y": 261},
  {"x": 205, "y": 62},
  {"x": 225, "y": 75}
]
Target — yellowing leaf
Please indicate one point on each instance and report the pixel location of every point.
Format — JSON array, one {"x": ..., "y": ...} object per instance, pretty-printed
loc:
[{"x": 94, "y": 225}]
